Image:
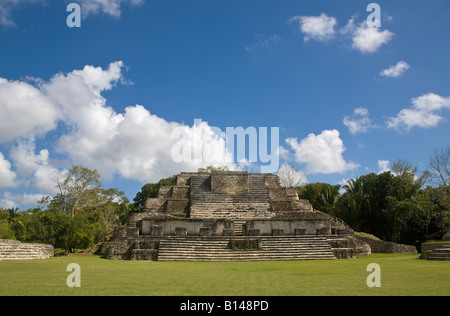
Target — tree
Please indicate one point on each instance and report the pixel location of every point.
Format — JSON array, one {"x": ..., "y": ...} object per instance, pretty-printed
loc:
[
  {"x": 290, "y": 177},
  {"x": 150, "y": 190},
  {"x": 6, "y": 231},
  {"x": 353, "y": 203},
  {"x": 330, "y": 197},
  {"x": 12, "y": 212},
  {"x": 439, "y": 168},
  {"x": 322, "y": 196},
  {"x": 80, "y": 214},
  {"x": 78, "y": 188},
  {"x": 84, "y": 186}
]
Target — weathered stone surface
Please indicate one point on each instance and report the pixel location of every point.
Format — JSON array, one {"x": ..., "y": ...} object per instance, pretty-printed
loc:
[
  {"x": 15, "y": 250},
  {"x": 181, "y": 231},
  {"x": 205, "y": 232},
  {"x": 379, "y": 246},
  {"x": 199, "y": 213},
  {"x": 230, "y": 182}
]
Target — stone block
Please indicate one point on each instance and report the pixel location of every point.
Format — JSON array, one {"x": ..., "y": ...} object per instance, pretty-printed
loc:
[
  {"x": 277, "y": 232},
  {"x": 230, "y": 182},
  {"x": 245, "y": 244},
  {"x": 228, "y": 232},
  {"x": 144, "y": 254},
  {"x": 177, "y": 205},
  {"x": 156, "y": 231},
  {"x": 299, "y": 231},
  {"x": 205, "y": 232},
  {"x": 181, "y": 231},
  {"x": 254, "y": 232},
  {"x": 180, "y": 192},
  {"x": 322, "y": 231}
]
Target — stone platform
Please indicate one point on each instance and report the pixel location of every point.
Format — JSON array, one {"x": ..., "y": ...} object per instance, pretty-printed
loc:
[
  {"x": 15, "y": 250},
  {"x": 214, "y": 216}
]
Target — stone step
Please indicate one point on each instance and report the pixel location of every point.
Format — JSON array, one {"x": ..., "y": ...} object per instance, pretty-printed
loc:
[
  {"x": 231, "y": 206},
  {"x": 278, "y": 248},
  {"x": 442, "y": 250},
  {"x": 22, "y": 251},
  {"x": 228, "y": 200},
  {"x": 438, "y": 256},
  {"x": 238, "y": 228},
  {"x": 441, "y": 253},
  {"x": 243, "y": 257},
  {"x": 249, "y": 254},
  {"x": 230, "y": 214}
]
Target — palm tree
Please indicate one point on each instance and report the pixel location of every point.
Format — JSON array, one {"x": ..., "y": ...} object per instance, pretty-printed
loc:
[
  {"x": 330, "y": 196},
  {"x": 355, "y": 202},
  {"x": 13, "y": 212}
]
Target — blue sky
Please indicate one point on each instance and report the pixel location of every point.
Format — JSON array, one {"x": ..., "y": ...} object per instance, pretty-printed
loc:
[{"x": 348, "y": 99}]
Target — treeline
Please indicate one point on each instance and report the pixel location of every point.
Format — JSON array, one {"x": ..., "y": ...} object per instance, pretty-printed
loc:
[
  {"x": 399, "y": 205},
  {"x": 80, "y": 215}
]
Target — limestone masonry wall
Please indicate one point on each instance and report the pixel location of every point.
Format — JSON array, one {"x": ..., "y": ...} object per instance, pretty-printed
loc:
[{"x": 15, "y": 250}]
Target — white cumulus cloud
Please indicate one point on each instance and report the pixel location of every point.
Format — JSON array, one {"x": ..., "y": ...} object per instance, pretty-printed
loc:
[
  {"x": 396, "y": 70},
  {"x": 88, "y": 7},
  {"x": 324, "y": 28},
  {"x": 321, "y": 153},
  {"x": 24, "y": 111},
  {"x": 135, "y": 143},
  {"x": 110, "y": 7},
  {"x": 360, "y": 123},
  {"x": 383, "y": 165},
  {"x": 7, "y": 176},
  {"x": 34, "y": 170},
  {"x": 425, "y": 113},
  {"x": 319, "y": 28},
  {"x": 9, "y": 200},
  {"x": 369, "y": 39}
]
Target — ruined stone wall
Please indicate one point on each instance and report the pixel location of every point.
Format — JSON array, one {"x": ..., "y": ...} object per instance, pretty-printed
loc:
[
  {"x": 379, "y": 246},
  {"x": 15, "y": 250},
  {"x": 186, "y": 227},
  {"x": 288, "y": 227}
]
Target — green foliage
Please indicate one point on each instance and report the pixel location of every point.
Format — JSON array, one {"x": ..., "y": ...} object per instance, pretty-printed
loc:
[
  {"x": 6, "y": 231},
  {"x": 150, "y": 190},
  {"x": 322, "y": 196},
  {"x": 392, "y": 205},
  {"x": 82, "y": 214},
  {"x": 79, "y": 216}
]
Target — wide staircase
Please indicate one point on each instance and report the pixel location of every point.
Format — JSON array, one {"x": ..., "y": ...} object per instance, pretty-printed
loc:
[
  {"x": 250, "y": 249},
  {"x": 442, "y": 253},
  {"x": 15, "y": 250},
  {"x": 206, "y": 204}
]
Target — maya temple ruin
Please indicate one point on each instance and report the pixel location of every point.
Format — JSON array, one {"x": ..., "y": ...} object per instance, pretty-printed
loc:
[{"x": 231, "y": 216}]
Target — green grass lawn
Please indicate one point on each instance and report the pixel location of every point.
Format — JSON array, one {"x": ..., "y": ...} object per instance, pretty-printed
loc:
[{"x": 401, "y": 274}]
